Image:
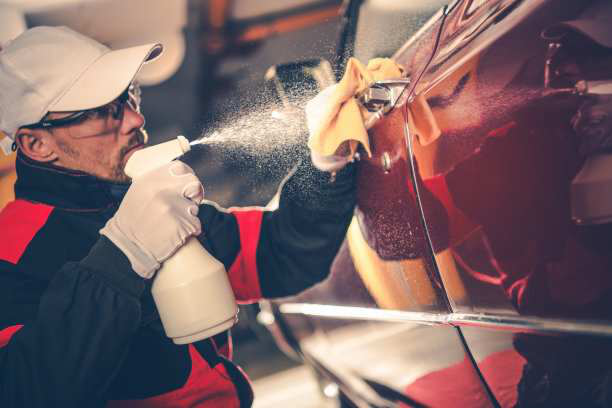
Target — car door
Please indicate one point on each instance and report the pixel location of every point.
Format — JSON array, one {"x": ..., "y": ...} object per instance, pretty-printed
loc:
[
  {"x": 378, "y": 324},
  {"x": 496, "y": 144}
]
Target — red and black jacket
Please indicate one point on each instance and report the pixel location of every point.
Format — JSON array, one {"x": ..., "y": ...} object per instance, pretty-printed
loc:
[{"x": 79, "y": 328}]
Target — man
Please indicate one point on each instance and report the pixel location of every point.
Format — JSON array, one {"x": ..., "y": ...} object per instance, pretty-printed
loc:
[
  {"x": 77, "y": 323},
  {"x": 12, "y": 23}
]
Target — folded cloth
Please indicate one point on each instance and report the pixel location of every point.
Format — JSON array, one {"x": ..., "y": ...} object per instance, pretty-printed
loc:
[
  {"x": 335, "y": 117},
  {"x": 423, "y": 120}
]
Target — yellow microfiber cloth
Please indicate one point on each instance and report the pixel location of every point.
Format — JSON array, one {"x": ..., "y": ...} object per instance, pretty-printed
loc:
[
  {"x": 336, "y": 116},
  {"x": 423, "y": 120}
]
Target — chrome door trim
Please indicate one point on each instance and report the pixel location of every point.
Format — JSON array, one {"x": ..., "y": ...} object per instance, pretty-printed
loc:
[
  {"x": 483, "y": 320},
  {"x": 362, "y": 313},
  {"x": 532, "y": 324}
]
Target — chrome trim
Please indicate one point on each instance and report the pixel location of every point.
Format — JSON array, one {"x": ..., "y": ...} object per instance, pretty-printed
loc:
[
  {"x": 523, "y": 10},
  {"x": 362, "y": 313},
  {"x": 499, "y": 322},
  {"x": 382, "y": 97},
  {"x": 417, "y": 190},
  {"x": 532, "y": 324},
  {"x": 552, "y": 50},
  {"x": 386, "y": 162}
]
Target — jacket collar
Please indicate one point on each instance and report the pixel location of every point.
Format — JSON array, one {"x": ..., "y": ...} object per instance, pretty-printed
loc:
[{"x": 64, "y": 188}]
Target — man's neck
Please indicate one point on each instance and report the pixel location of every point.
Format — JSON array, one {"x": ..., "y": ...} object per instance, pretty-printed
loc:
[{"x": 64, "y": 188}]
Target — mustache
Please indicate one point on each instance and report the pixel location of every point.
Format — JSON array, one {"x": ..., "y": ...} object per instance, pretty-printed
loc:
[{"x": 138, "y": 139}]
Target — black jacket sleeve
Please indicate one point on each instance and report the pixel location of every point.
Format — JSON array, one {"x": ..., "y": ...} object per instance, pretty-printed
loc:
[
  {"x": 282, "y": 252},
  {"x": 67, "y": 354},
  {"x": 299, "y": 241}
]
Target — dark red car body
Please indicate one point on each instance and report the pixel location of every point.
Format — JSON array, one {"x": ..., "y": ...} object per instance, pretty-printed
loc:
[{"x": 465, "y": 279}]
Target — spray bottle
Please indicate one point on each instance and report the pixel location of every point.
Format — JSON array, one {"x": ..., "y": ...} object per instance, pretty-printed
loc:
[{"x": 191, "y": 289}]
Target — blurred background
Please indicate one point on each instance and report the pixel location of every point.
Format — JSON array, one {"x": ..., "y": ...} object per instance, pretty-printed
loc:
[{"x": 212, "y": 77}]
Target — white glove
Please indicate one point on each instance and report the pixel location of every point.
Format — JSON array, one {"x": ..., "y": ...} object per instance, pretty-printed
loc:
[
  {"x": 329, "y": 163},
  {"x": 156, "y": 216},
  {"x": 320, "y": 110}
]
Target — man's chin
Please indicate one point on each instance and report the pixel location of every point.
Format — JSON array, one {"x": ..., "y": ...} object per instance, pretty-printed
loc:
[
  {"x": 122, "y": 178},
  {"x": 142, "y": 137},
  {"x": 117, "y": 176}
]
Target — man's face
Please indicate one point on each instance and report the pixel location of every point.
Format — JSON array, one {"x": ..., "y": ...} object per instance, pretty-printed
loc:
[{"x": 100, "y": 147}]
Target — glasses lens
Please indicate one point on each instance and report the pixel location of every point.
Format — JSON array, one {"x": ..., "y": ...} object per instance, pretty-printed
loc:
[
  {"x": 116, "y": 108},
  {"x": 134, "y": 97},
  {"x": 98, "y": 117}
]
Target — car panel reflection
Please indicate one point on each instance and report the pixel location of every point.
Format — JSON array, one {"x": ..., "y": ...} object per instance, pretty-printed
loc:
[
  {"x": 480, "y": 247},
  {"x": 511, "y": 127}
]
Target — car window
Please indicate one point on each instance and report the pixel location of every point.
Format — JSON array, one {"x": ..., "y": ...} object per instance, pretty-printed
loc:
[{"x": 385, "y": 25}]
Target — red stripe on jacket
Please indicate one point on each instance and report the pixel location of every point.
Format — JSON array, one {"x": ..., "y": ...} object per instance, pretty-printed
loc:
[
  {"x": 6, "y": 334},
  {"x": 243, "y": 272},
  {"x": 20, "y": 220}
]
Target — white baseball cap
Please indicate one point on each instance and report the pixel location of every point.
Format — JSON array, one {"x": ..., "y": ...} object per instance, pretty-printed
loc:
[{"x": 56, "y": 69}]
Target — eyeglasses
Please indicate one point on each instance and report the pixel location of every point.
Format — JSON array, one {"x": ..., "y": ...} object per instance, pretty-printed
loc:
[{"x": 113, "y": 110}]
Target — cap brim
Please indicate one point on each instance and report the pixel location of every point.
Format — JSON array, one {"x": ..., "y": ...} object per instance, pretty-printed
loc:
[
  {"x": 168, "y": 62},
  {"x": 105, "y": 79}
]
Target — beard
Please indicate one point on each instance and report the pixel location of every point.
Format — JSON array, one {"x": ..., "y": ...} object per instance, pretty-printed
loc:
[
  {"x": 67, "y": 149},
  {"x": 117, "y": 173}
]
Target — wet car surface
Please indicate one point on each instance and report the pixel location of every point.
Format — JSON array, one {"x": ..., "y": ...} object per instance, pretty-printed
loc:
[{"x": 472, "y": 274}]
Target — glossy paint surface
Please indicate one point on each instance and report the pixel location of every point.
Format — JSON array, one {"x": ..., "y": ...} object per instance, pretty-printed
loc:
[
  {"x": 465, "y": 218},
  {"x": 500, "y": 154},
  {"x": 380, "y": 361},
  {"x": 386, "y": 265}
]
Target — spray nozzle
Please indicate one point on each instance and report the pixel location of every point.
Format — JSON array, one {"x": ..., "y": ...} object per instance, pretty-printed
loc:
[{"x": 202, "y": 139}]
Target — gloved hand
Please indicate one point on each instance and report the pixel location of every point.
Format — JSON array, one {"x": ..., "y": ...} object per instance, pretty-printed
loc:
[
  {"x": 337, "y": 121},
  {"x": 156, "y": 216},
  {"x": 319, "y": 111}
]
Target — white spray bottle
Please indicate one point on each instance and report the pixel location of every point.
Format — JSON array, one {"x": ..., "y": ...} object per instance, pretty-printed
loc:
[{"x": 191, "y": 289}]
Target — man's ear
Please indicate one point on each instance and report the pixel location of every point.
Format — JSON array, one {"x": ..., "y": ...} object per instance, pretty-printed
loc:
[{"x": 36, "y": 144}]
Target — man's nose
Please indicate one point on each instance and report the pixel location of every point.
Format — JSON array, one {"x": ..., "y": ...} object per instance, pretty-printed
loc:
[{"x": 131, "y": 120}]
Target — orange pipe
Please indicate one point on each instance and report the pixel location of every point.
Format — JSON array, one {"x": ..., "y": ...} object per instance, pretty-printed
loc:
[{"x": 287, "y": 24}]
